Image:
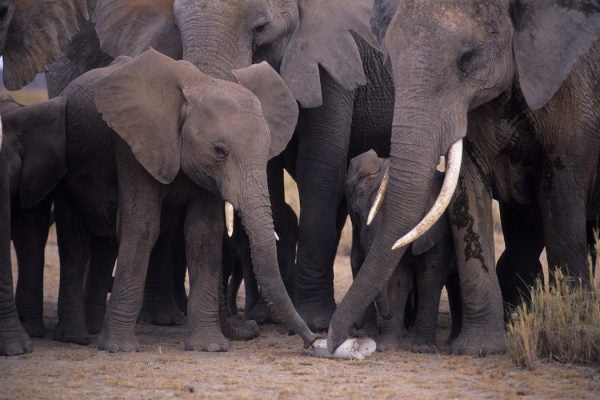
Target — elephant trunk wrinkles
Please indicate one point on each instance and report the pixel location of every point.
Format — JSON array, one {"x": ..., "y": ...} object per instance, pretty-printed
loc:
[
  {"x": 255, "y": 213},
  {"x": 415, "y": 150}
]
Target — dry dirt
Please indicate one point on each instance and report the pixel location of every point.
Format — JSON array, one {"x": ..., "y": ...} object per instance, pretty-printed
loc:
[{"x": 272, "y": 366}]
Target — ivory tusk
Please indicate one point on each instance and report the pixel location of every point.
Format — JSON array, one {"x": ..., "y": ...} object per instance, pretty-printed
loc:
[
  {"x": 442, "y": 201},
  {"x": 379, "y": 198},
  {"x": 356, "y": 349},
  {"x": 276, "y": 236},
  {"x": 229, "y": 218}
]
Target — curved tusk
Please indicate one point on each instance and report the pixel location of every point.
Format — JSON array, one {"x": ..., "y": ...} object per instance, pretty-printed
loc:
[
  {"x": 441, "y": 203},
  {"x": 276, "y": 236},
  {"x": 229, "y": 218},
  {"x": 379, "y": 198}
]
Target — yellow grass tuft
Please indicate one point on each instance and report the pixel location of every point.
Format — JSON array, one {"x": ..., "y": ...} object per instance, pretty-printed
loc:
[{"x": 562, "y": 323}]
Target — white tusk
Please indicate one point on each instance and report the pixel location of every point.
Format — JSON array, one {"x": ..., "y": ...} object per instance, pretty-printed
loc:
[
  {"x": 379, "y": 198},
  {"x": 276, "y": 236},
  {"x": 441, "y": 203},
  {"x": 356, "y": 349},
  {"x": 229, "y": 218}
]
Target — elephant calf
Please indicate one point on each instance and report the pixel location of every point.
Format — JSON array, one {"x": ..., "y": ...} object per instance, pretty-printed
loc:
[
  {"x": 32, "y": 161},
  {"x": 430, "y": 264}
]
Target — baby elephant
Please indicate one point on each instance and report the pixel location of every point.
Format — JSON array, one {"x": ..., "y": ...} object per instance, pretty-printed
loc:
[{"x": 429, "y": 265}]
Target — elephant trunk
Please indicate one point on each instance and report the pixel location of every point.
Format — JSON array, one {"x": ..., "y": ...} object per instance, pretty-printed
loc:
[
  {"x": 423, "y": 130},
  {"x": 255, "y": 214}
]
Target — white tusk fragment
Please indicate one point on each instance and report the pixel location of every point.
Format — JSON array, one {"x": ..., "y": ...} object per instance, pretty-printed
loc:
[
  {"x": 229, "y": 218},
  {"x": 355, "y": 349}
]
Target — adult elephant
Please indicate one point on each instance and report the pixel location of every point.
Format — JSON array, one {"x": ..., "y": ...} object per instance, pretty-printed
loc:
[
  {"x": 519, "y": 79},
  {"x": 326, "y": 54},
  {"x": 32, "y": 33}
]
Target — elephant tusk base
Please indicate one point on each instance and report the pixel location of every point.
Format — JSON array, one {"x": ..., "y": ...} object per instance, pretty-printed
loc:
[{"x": 351, "y": 349}]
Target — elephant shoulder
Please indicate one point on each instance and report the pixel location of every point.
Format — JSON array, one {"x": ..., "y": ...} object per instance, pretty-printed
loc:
[{"x": 327, "y": 37}]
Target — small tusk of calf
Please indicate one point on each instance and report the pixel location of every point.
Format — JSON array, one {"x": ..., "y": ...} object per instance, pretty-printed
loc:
[
  {"x": 276, "y": 236},
  {"x": 229, "y": 218}
]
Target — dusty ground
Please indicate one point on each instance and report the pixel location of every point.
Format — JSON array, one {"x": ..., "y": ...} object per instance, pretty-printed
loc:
[{"x": 272, "y": 366}]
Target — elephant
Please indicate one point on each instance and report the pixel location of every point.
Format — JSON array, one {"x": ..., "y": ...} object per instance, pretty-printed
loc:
[
  {"x": 31, "y": 35},
  {"x": 237, "y": 266},
  {"x": 328, "y": 57},
  {"x": 514, "y": 83},
  {"x": 430, "y": 263},
  {"x": 32, "y": 161},
  {"x": 157, "y": 139}
]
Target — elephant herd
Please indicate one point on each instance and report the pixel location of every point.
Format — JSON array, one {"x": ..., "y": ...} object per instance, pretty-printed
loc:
[{"x": 170, "y": 124}]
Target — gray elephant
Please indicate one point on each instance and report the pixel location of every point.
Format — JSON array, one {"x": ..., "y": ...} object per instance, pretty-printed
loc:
[
  {"x": 326, "y": 54},
  {"x": 184, "y": 141},
  {"x": 518, "y": 81},
  {"x": 430, "y": 263},
  {"x": 32, "y": 34},
  {"x": 32, "y": 161}
]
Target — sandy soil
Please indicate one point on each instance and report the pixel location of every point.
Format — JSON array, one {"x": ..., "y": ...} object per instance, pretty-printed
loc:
[{"x": 272, "y": 366}]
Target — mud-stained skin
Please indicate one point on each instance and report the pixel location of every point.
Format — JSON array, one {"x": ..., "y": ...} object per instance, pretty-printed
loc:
[{"x": 462, "y": 219}]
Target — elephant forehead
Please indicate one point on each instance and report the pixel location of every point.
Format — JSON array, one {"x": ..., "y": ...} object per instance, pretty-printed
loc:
[
  {"x": 233, "y": 99},
  {"x": 455, "y": 20}
]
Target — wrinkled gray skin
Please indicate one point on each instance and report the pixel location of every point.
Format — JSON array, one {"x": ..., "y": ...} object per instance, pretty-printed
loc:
[
  {"x": 32, "y": 33},
  {"x": 237, "y": 266},
  {"x": 32, "y": 161},
  {"x": 463, "y": 68},
  {"x": 212, "y": 120},
  {"x": 430, "y": 263},
  {"x": 325, "y": 52}
]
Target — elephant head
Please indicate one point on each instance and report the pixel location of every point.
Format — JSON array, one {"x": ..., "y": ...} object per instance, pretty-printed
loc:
[
  {"x": 448, "y": 58},
  {"x": 32, "y": 34},
  {"x": 219, "y": 134},
  {"x": 34, "y": 148},
  {"x": 296, "y": 37}
]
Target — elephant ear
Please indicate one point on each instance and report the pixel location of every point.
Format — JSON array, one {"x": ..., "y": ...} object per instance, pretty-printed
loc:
[
  {"x": 132, "y": 27},
  {"x": 325, "y": 38},
  {"x": 40, "y": 130},
  {"x": 141, "y": 99},
  {"x": 38, "y": 31},
  {"x": 550, "y": 37},
  {"x": 383, "y": 12},
  {"x": 278, "y": 105}
]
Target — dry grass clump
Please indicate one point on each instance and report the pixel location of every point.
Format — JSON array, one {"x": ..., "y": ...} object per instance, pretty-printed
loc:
[{"x": 562, "y": 323}]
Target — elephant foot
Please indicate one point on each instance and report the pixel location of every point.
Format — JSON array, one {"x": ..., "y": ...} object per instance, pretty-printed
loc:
[
  {"x": 317, "y": 316},
  {"x": 214, "y": 342},
  {"x": 478, "y": 343},
  {"x": 34, "y": 327},
  {"x": 239, "y": 329},
  {"x": 160, "y": 310},
  {"x": 261, "y": 313},
  {"x": 13, "y": 338},
  {"x": 71, "y": 333},
  {"x": 394, "y": 340},
  {"x": 423, "y": 346},
  {"x": 117, "y": 343},
  {"x": 94, "y": 316}
]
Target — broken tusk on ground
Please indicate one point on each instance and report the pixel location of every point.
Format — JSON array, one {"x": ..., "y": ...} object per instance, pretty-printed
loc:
[
  {"x": 353, "y": 349},
  {"x": 379, "y": 198},
  {"x": 229, "y": 218}
]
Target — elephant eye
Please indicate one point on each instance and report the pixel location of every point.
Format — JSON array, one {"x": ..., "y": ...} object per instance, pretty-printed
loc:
[
  {"x": 466, "y": 60},
  {"x": 260, "y": 28},
  {"x": 221, "y": 151}
]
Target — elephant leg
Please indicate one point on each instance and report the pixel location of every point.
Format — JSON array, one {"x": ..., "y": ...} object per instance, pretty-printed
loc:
[
  {"x": 563, "y": 208},
  {"x": 179, "y": 269},
  {"x": 455, "y": 303},
  {"x": 323, "y": 141},
  {"x": 519, "y": 265},
  {"x": 472, "y": 229},
  {"x": 159, "y": 306},
  {"x": 13, "y": 338},
  {"x": 392, "y": 331},
  {"x": 431, "y": 274},
  {"x": 74, "y": 252},
  {"x": 232, "y": 287},
  {"x": 98, "y": 282},
  {"x": 30, "y": 234},
  {"x": 203, "y": 236},
  {"x": 140, "y": 204}
]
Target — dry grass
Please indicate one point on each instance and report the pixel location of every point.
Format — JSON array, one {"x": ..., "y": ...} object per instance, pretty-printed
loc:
[{"x": 562, "y": 323}]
